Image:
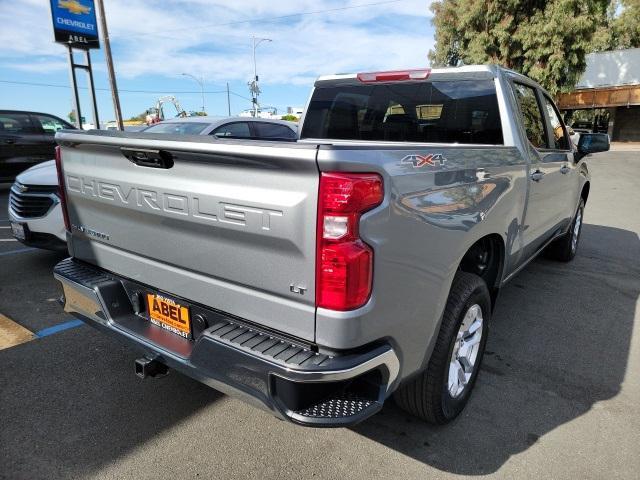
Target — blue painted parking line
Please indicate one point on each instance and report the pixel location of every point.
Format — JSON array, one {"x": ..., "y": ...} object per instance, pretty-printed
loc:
[
  {"x": 45, "y": 332},
  {"x": 20, "y": 250}
]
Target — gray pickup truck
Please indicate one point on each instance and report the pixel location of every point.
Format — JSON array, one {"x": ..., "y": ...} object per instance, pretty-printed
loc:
[{"x": 317, "y": 278}]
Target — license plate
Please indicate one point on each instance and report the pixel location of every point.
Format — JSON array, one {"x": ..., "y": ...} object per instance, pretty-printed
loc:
[
  {"x": 18, "y": 230},
  {"x": 168, "y": 314}
]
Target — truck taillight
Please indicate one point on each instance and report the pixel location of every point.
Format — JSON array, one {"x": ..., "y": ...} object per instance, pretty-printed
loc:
[
  {"x": 61, "y": 191},
  {"x": 344, "y": 262}
]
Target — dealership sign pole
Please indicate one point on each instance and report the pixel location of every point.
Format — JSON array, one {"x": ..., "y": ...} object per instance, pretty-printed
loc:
[
  {"x": 109, "y": 60},
  {"x": 75, "y": 25}
]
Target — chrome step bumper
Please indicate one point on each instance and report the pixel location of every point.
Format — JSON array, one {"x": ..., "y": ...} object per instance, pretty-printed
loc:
[{"x": 285, "y": 376}]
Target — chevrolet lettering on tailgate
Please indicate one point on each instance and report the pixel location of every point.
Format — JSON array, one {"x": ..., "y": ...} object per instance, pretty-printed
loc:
[{"x": 202, "y": 208}]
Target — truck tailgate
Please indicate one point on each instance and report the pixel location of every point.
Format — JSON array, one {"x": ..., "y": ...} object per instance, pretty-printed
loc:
[{"x": 230, "y": 224}]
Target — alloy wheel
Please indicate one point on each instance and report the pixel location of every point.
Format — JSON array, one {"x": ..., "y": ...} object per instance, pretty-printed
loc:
[{"x": 465, "y": 351}]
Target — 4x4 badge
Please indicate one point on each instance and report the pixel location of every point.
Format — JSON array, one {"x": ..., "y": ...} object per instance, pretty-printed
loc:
[{"x": 421, "y": 160}]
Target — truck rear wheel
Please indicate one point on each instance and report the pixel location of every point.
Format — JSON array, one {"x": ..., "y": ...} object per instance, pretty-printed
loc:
[
  {"x": 564, "y": 248},
  {"x": 441, "y": 392}
]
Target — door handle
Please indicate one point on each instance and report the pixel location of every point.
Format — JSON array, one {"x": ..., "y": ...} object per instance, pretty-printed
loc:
[
  {"x": 565, "y": 169},
  {"x": 537, "y": 175}
]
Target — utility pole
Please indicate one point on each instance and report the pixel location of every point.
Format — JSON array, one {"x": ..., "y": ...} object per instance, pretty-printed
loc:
[
  {"x": 228, "y": 100},
  {"x": 109, "y": 60},
  {"x": 253, "y": 86},
  {"x": 201, "y": 83}
]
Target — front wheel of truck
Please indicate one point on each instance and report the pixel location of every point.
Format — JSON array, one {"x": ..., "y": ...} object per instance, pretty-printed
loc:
[{"x": 441, "y": 392}]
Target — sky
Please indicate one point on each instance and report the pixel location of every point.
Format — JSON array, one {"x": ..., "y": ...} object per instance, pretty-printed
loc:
[{"x": 155, "y": 41}]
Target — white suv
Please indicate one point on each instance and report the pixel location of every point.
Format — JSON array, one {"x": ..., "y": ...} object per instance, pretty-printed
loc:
[{"x": 34, "y": 208}]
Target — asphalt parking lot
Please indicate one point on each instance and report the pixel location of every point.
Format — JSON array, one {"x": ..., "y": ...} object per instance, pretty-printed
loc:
[{"x": 557, "y": 397}]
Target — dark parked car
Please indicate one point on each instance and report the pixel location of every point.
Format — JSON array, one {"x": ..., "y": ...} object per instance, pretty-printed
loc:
[{"x": 26, "y": 138}]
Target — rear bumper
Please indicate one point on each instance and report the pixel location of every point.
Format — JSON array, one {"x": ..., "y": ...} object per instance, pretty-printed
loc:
[{"x": 284, "y": 376}]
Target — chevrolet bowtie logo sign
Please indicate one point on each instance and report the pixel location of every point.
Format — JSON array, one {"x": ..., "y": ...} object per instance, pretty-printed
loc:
[
  {"x": 430, "y": 159},
  {"x": 74, "y": 6},
  {"x": 75, "y": 23}
]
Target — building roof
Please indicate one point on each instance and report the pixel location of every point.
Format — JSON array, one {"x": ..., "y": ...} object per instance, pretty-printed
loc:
[{"x": 612, "y": 68}]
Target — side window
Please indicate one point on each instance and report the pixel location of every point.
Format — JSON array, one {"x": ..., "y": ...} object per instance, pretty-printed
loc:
[
  {"x": 273, "y": 131},
  {"x": 51, "y": 124},
  {"x": 531, "y": 115},
  {"x": 233, "y": 130},
  {"x": 16, "y": 124},
  {"x": 560, "y": 141}
]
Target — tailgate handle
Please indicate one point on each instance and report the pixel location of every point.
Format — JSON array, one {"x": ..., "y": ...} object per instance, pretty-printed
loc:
[{"x": 148, "y": 158}]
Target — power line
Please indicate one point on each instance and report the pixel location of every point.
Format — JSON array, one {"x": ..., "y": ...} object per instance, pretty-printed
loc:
[
  {"x": 241, "y": 96},
  {"x": 155, "y": 92},
  {"x": 254, "y": 20},
  {"x": 159, "y": 92}
]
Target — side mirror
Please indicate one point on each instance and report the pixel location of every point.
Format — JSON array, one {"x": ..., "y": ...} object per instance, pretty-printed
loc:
[{"x": 593, "y": 143}]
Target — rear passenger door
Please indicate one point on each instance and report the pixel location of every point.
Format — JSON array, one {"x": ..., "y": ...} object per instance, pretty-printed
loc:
[
  {"x": 19, "y": 144},
  {"x": 47, "y": 126},
  {"x": 547, "y": 198},
  {"x": 560, "y": 144}
]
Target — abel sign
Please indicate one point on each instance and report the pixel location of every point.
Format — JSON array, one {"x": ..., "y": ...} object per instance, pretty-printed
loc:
[{"x": 74, "y": 23}]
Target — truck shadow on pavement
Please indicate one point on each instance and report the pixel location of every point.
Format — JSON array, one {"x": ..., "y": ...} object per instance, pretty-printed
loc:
[
  {"x": 78, "y": 405},
  {"x": 70, "y": 403},
  {"x": 559, "y": 343}
]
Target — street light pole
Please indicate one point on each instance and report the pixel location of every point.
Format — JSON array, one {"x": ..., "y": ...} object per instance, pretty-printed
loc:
[
  {"x": 201, "y": 83},
  {"x": 255, "y": 90}
]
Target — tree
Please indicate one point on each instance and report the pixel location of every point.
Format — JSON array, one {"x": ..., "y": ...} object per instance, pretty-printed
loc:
[
  {"x": 627, "y": 25},
  {"x": 545, "y": 40},
  {"x": 621, "y": 28},
  {"x": 72, "y": 116}
]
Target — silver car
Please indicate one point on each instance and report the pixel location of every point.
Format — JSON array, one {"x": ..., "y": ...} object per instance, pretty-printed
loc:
[{"x": 229, "y": 127}]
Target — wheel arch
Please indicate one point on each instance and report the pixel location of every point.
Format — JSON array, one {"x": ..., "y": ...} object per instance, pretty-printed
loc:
[{"x": 486, "y": 258}]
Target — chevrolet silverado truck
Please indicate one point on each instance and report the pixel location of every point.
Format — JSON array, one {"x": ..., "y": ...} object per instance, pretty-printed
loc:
[{"x": 318, "y": 278}]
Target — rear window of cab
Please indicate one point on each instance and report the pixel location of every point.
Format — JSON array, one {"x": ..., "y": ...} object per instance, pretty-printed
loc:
[{"x": 461, "y": 111}]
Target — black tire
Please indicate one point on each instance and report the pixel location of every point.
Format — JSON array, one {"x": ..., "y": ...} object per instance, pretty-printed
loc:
[
  {"x": 564, "y": 249},
  {"x": 427, "y": 395}
]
